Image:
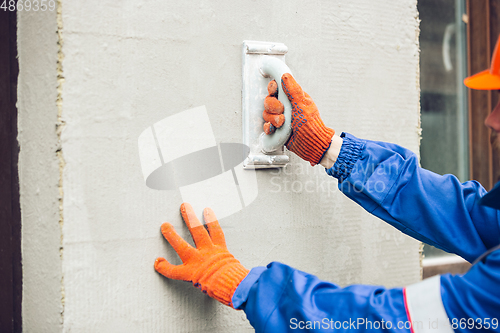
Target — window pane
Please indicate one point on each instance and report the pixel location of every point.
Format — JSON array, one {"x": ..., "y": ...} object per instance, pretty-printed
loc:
[{"x": 443, "y": 66}]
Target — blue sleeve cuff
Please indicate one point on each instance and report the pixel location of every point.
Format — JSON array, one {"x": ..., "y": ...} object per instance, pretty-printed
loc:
[
  {"x": 241, "y": 293},
  {"x": 350, "y": 152}
]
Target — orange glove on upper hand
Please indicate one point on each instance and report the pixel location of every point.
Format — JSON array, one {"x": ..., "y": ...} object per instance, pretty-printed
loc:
[
  {"x": 310, "y": 138},
  {"x": 273, "y": 109},
  {"x": 209, "y": 266}
]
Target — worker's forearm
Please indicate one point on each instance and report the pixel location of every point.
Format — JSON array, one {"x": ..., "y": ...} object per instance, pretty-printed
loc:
[
  {"x": 332, "y": 153},
  {"x": 387, "y": 181},
  {"x": 278, "y": 298}
]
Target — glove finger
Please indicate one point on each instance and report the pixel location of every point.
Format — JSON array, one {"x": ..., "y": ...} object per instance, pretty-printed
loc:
[
  {"x": 276, "y": 119},
  {"x": 197, "y": 230},
  {"x": 183, "y": 249},
  {"x": 273, "y": 105},
  {"x": 175, "y": 272},
  {"x": 272, "y": 88},
  {"x": 291, "y": 88},
  {"x": 269, "y": 128},
  {"x": 213, "y": 227}
]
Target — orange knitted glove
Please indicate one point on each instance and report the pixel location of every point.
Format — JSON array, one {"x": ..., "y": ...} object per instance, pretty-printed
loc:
[
  {"x": 209, "y": 266},
  {"x": 310, "y": 137}
]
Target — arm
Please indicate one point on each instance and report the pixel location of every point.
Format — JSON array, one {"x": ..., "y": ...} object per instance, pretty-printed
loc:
[
  {"x": 278, "y": 298},
  {"x": 386, "y": 180},
  {"x": 474, "y": 295},
  {"x": 281, "y": 299}
]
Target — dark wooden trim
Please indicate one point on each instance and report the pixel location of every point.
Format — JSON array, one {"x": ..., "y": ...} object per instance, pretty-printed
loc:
[
  {"x": 483, "y": 29},
  {"x": 494, "y": 33},
  {"x": 479, "y": 100},
  {"x": 10, "y": 213}
]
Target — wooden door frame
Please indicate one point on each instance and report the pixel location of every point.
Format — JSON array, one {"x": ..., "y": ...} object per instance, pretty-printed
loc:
[
  {"x": 483, "y": 29},
  {"x": 10, "y": 212}
]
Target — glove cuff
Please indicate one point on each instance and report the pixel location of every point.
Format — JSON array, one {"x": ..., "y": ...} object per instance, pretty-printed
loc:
[
  {"x": 312, "y": 141},
  {"x": 226, "y": 284},
  {"x": 220, "y": 277}
]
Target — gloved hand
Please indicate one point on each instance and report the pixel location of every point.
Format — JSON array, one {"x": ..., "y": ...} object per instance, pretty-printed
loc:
[
  {"x": 310, "y": 137},
  {"x": 209, "y": 266}
]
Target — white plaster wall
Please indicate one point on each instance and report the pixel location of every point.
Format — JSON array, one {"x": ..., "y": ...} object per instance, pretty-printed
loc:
[
  {"x": 129, "y": 64},
  {"x": 39, "y": 171}
]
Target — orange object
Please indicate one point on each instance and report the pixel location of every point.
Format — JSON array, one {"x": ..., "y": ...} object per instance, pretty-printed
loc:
[
  {"x": 209, "y": 266},
  {"x": 310, "y": 137},
  {"x": 272, "y": 105},
  {"x": 272, "y": 88},
  {"x": 276, "y": 119},
  {"x": 269, "y": 128},
  {"x": 488, "y": 79},
  {"x": 273, "y": 109}
]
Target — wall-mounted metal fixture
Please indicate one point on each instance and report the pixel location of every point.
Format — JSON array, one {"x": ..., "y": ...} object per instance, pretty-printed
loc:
[{"x": 262, "y": 62}]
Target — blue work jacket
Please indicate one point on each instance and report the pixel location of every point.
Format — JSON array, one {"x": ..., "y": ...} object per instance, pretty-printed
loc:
[{"x": 435, "y": 209}]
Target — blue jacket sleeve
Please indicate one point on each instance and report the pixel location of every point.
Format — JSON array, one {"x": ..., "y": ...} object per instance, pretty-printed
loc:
[
  {"x": 387, "y": 181},
  {"x": 472, "y": 301},
  {"x": 281, "y": 299}
]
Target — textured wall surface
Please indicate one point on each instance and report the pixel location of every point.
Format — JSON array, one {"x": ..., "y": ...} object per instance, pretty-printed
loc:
[
  {"x": 129, "y": 64},
  {"x": 39, "y": 171}
]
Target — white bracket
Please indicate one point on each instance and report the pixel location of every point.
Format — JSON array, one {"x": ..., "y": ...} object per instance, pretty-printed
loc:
[{"x": 262, "y": 62}]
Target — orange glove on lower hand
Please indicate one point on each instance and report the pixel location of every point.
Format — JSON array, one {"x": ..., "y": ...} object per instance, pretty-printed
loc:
[
  {"x": 310, "y": 137},
  {"x": 209, "y": 266}
]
